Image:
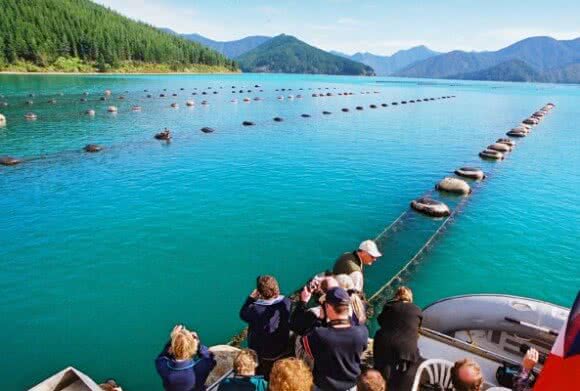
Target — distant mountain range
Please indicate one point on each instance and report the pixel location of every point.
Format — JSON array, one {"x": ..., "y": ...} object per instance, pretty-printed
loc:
[
  {"x": 536, "y": 59},
  {"x": 533, "y": 59},
  {"x": 287, "y": 54},
  {"x": 231, "y": 49},
  {"x": 387, "y": 65}
]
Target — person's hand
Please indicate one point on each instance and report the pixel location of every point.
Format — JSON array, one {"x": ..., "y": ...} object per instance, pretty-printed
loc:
[
  {"x": 305, "y": 294},
  {"x": 255, "y": 294},
  {"x": 530, "y": 359},
  {"x": 322, "y": 312},
  {"x": 178, "y": 328}
]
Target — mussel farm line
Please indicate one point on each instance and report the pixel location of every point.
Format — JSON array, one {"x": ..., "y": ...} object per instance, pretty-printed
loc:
[
  {"x": 378, "y": 298},
  {"x": 164, "y": 135},
  {"x": 381, "y": 295}
]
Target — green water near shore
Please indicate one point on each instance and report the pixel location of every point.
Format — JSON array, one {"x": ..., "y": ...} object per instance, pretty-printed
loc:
[{"x": 101, "y": 254}]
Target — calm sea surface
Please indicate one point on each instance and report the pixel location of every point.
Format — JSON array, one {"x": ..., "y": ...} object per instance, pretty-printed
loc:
[{"x": 101, "y": 254}]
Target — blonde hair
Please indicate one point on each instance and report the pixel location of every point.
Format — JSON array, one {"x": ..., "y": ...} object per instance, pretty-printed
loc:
[
  {"x": 404, "y": 294},
  {"x": 184, "y": 345},
  {"x": 290, "y": 374},
  {"x": 246, "y": 362}
]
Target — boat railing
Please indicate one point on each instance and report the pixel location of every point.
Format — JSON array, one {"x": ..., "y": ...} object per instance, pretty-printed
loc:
[
  {"x": 477, "y": 350},
  {"x": 215, "y": 385}
]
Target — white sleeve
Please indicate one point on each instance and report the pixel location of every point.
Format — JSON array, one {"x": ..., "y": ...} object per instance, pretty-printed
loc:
[{"x": 357, "y": 278}]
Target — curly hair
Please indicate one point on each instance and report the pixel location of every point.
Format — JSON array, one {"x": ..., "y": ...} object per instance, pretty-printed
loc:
[
  {"x": 459, "y": 384},
  {"x": 268, "y": 287},
  {"x": 290, "y": 374},
  {"x": 184, "y": 345},
  {"x": 371, "y": 380}
]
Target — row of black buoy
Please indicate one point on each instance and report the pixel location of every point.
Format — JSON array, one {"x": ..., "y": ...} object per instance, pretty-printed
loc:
[
  {"x": 495, "y": 151},
  {"x": 359, "y": 108},
  {"x": 166, "y": 134}
]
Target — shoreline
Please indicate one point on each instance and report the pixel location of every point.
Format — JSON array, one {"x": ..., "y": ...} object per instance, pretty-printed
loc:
[{"x": 115, "y": 73}]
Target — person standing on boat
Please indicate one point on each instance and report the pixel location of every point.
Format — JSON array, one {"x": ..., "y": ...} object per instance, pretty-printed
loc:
[
  {"x": 395, "y": 349},
  {"x": 184, "y": 364},
  {"x": 352, "y": 263},
  {"x": 267, "y": 313},
  {"x": 337, "y": 348}
]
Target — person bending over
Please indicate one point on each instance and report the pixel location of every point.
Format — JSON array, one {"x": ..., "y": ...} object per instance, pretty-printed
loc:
[
  {"x": 245, "y": 378},
  {"x": 336, "y": 349},
  {"x": 395, "y": 349},
  {"x": 184, "y": 364},
  {"x": 353, "y": 263},
  {"x": 290, "y": 374},
  {"x": 268, "y": 316},
  {"x": 371, "y": 380},
  {"x": 466, "y": 376}
]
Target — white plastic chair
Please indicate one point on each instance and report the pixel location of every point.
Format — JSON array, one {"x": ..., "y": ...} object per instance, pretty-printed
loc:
[{"x": 437, "y": 371}]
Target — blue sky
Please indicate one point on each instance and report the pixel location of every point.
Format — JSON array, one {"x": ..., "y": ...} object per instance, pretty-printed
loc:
[{"x": 378, "y": 26}]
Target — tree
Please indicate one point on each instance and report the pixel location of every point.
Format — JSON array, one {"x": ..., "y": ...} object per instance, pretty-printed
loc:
[{"x": 41, "y": 31}]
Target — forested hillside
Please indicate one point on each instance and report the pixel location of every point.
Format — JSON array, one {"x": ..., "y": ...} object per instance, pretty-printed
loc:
[
  {"x": 287, "y": 54},
  {"x": 55, "y": 34}
]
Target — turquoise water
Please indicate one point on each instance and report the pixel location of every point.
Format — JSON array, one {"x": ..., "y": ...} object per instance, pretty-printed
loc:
[{"x": 101, "y": 254}]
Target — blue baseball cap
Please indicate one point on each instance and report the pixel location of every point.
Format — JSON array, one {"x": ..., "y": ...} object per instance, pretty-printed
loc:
[{"x": 337, "y": 296}]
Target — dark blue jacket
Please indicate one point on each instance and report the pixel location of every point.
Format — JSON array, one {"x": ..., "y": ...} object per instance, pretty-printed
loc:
[
  {"x": 268, "y": 326},
  {"x": 337, "y": 355},
  {"x": 188, "y": 375}
]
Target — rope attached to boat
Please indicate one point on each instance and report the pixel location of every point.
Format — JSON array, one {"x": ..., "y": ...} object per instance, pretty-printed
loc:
[{"x": 397, "y": 277}]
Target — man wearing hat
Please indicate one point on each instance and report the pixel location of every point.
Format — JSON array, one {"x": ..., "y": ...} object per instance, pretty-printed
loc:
[
  {"x": 336, "y": 349},
  {"x": 352, "y": 263}
]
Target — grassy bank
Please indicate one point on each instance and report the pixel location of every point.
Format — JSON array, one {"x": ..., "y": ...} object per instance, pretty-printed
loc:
[{"x": 76, "y": 65}]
